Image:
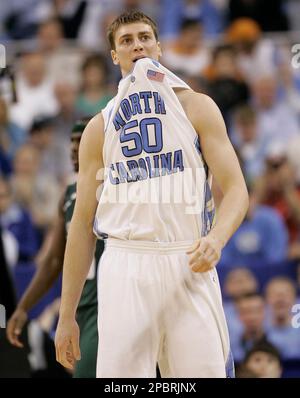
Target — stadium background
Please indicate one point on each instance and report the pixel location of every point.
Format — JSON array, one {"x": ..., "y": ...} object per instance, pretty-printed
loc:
[{"x": 243, "y": 54}]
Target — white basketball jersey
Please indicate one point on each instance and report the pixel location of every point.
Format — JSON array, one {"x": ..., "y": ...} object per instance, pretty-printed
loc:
[{"x": 156, "y": 183}]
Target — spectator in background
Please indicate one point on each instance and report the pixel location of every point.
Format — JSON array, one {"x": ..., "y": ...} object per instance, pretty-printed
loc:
[
  {"x": 5, "y": 164},
  {"x": 239, "y": 282},
  {"x": 65, "y": 94},
  {"x": 70, "y": 13},
  {"x": 277, "y": 188},
  {"x": 54, "y": 158},
  {"x": 91, "y": 34},
  {"x": 293, "y": 151},
  {"x": 262, "y": 238},
  {"x": 35, "y": 91},
  {"x": 21, "y": 17},
  {"x": 18, "y": 222},
  {"x": 187, "y": 53},
  {"x": 14, "y": 363},
  {"x": 250, "y": 144},
  {"x": 264, "y": 361},
  {"x": 10, "y": 250},
  {"x": 5, "y": 142},
  {"x": 281, "y": 296},
  {"x": 270, "y": 19},
  {"x": 173, "y": 12},
  {"x": 11, "y": 135},
  {"x": 63, "y": 61},
  {"x": 274, "y": 115},
  {"x": 254, "y": 53},
  {"x": 293, "y": 11},
  {"x": 289, "y": 79},
  {"x": 150, "y": 7},
  {"x": 50, "y": 36},
  {"x": 36, "y": 191},
  {"x": 226, "y": 84},
  {"x": 94, "y": 94},
  {"x": 251, "y": 312}
]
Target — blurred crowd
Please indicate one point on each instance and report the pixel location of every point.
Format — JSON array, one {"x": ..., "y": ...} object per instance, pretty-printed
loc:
[{"x": 239, "y": 52}]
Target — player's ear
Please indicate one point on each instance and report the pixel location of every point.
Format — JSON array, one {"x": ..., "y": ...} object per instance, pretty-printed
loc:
[{"x": 114, "y": 57}]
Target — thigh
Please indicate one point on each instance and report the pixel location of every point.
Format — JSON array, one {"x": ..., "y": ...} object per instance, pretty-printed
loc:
[
  {"x": 127, "y": 300},
  {"x": 196, "y": 339}
]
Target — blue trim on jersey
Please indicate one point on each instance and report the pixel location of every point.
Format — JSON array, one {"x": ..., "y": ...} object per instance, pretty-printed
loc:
[
  {"x": 197, "y": 145},
  {"x": 109, "y": 115},
  {"x": 207, "y": 215},
  {"x": 156, "y": 63},
  {"x": 100, "y": 235},
  {"x": 229, "y": 366},
  {"x": 198, "y": 149},
  {"x": 203, "y": 230}
]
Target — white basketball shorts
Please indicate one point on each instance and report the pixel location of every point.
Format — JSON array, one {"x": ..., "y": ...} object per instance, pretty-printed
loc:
[{"x": 154, "y": 309}]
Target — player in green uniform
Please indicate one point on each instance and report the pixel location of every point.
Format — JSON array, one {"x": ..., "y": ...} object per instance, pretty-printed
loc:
[{"x": 48, "y": 271}]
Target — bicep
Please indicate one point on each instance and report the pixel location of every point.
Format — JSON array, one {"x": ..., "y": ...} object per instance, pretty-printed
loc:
[{"x": 216, "y": 147}]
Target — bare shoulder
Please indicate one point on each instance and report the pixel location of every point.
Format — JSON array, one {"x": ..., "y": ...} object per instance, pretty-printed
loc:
[
  {"x": 200, "y": 109},
  {"x": 93, "y": 135},
  {"x": 92, "y": 140},
  {"x": 94, "y": 131}
]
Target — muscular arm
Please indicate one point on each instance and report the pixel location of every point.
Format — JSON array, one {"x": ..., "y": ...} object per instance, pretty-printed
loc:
[
  {"x": 223, "y": 163},
  {"x": 81, "y": 241},
  {"x": 48, "y": 271}
]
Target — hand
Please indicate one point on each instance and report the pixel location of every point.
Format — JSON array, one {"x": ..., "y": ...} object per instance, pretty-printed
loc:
[
  {"x": 15, "y": 326},
  {"x": 205, "y": 254},
  {"x": 67, "y": 343}
]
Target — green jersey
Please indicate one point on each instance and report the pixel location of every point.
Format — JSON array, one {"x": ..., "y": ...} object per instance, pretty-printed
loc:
[{"x": 89, "y": 293}]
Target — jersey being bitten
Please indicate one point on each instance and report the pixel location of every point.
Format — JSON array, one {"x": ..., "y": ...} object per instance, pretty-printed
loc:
[{"x": 156, "y": 183}]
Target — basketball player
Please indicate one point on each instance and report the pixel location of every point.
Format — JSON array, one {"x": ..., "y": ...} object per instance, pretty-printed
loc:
[
  {"x": 49, "y": 270},
  {"x": 159, "y": 297}
]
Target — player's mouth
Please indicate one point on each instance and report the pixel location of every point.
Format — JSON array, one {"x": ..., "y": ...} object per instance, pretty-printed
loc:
[{"x": 138, "y": 57}]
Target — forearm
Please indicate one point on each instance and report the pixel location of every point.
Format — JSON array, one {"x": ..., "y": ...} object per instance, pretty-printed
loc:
[
  {"x": 42, "y": 281},
  {"x": 79, "y": 254},
  {"x": 230, "y": 214}
]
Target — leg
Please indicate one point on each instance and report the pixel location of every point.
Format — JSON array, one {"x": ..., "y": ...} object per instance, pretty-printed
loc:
[
  {"x": 128, "y": 332},
  {"x": 196, "y": 341}
]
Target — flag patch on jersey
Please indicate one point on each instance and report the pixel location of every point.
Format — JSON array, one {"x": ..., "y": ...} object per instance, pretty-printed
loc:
[{"x": 153, "y": 75}]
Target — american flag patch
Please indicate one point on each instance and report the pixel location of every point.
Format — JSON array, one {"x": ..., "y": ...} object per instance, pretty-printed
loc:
[{"x": 157, "y": 76}]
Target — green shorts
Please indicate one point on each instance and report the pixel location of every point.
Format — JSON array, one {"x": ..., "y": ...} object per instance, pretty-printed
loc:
[{"x": 87, "y": 321}]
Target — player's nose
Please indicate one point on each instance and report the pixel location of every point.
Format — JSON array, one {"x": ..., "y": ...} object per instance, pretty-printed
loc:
[{"x": 138, "y": 45}]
